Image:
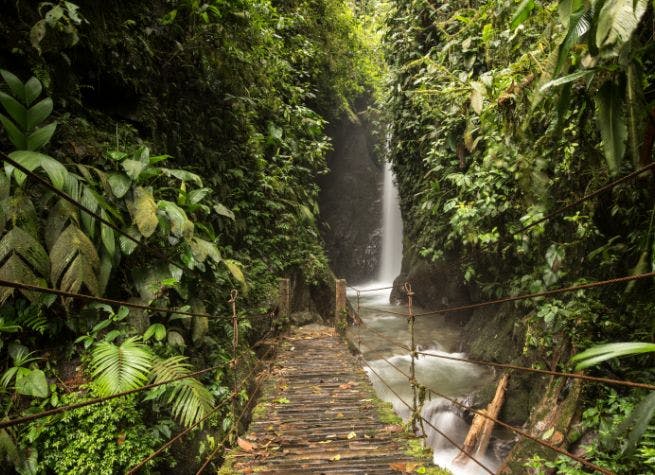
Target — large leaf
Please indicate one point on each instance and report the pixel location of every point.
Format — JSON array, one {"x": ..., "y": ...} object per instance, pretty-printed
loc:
[
  {"x": 612, "y": 124},
  {"x": 21, "y": 243},
  {"x": 235, "y": 269},
  {"x": 40, "y": 137},
  {"x": 144, "y": 211},
  {"x": 33, "y": 88},
  {"x": 181, "y": 226},
  {"x": 32, "y": 382},
  {"x": 202, "y": 249},
  {"x": 15, "y": 109},
  {"x": 190, "y": 400},
  {"x": 15, "y": 269},
  {"x": 565, "y": 79},
  {"x": 38, "y": 113},
  {"x": 522, "y": 13},
  {"x": 224, "y": 211},
  {"x": 182, "y": 175},
  {"x": 31, "y": 160},
  {"x": 15, "y": 135},
  {"x": 133, "y": 168},
  {"x": 15, "y": 85},
  {"x": 119, "y": 183},
  {"x": 61, "y": 214},
  {"x": 601, "y": 353},
  {"x": 120, "y": 368},
  {"x": 74, "y": 262},
  {"x": 618, "y": 19}
]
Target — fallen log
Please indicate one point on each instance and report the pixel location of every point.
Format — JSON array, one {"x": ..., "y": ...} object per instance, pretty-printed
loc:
[{"x": 479, "y": 434}]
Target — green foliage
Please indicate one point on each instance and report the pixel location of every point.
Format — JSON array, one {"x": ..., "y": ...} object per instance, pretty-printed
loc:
[
  {"x": 118, "y": 368},
  {"x": 105, "y": 439},
  {"x": 502, "y": 112}
]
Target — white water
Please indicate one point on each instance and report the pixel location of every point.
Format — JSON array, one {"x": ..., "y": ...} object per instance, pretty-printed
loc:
[
  {"x": 434, "y": 335},
  {"x": 392, "y": 229}
]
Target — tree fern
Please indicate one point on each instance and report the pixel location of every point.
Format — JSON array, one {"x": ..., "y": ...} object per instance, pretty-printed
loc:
[
  {"x": 117, "y": 368},
  {"x": 190, "y": 399}
]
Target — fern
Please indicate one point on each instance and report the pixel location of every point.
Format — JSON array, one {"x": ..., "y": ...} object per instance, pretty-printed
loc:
[
  {"x": 117, "y": 368},
  {"x": 190, "y": 399}
]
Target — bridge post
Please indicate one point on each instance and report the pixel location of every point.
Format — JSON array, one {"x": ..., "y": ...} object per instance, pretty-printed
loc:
[
  {"x": 340, "y": 308},
  {"x": 284, "y": 299}
]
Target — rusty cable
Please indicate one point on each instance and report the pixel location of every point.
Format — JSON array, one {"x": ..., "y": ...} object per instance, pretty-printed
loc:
[
  {"x": 70, "y": 407},
  {"x": 63, "y": 293},
  {"x": 180, "y": 435},
  {"x": 512, "y": 428},
  {"x": 618, "y": 382},
  {"x": 455, "y": 444},
  {"x": 84, "y": 208},
  {"x": 545, "y": 293},
  {"x": 221, "y": 444}
]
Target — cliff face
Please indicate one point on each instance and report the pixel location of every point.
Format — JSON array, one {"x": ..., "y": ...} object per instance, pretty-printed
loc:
[{"x": 351, "y": 211}]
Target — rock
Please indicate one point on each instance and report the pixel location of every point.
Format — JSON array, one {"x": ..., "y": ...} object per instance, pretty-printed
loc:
[
  {"x": 305, "y": 317},
  {"x": 350, "y": 203}
]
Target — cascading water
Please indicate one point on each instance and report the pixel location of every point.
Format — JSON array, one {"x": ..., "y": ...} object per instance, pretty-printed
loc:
[
  {"x": 435, "y": 335},
  {"x": 392, "y": 229}
]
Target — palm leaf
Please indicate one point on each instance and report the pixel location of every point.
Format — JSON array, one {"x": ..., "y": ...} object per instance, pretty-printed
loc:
[
  {"x": 117, "y": 368},
  {"x": 190, "y": 400},
  {"x": 74, "y": 261}
]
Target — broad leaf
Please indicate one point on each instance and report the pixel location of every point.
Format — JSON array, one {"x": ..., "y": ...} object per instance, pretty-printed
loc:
[
  {"x": 224, "y": 211},
  {"x": 612, "y": 124},
  {"x": 33, "y": 89},
  {"x": 522, "y": 13},
  {"x": 21, "y": 243},
  {"x": 181, "y": 226},
  {"x": 618, "y": 19},
  {"x": 235, "y": 269},
  {"x": 32, "y": 382},
  {"x": 15, "y": 135},
  {"x": 15, "y": 85},
  {"x": 119, "y": 183},
  {"x": 144, "y": 211},
  {"x": 40, "y": 137},
  {"x": 15, "y": 109},
  {"x": 38, "y": 113},
  {"x": 202, "y": 249},
  {"x": 74, "y": 261},
  {"x": 601, "y": 353},
  {"x": 133, "y": 168}
]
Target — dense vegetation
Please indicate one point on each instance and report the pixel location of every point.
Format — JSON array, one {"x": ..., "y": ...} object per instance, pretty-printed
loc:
[
  {"x": 196, "y": 128},
  {"x": 501, "y": 112}
]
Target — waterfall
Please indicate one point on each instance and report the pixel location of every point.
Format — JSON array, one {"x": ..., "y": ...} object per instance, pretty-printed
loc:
[{"x": 392, "y": 229}]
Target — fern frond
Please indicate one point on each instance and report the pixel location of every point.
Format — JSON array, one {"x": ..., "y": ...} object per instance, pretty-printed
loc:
[
  {"x": 117, "y": 368},
  {"x": 190, "y": 400}
]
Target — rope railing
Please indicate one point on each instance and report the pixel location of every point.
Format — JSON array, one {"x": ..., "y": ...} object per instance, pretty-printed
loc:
[
  {"x": 82, "y": 207},
  {"x": 414, "y": 354},
  {"x": 70, "y": 407},
  {"x": 515, "y": 298},
  {"x": 527, "y": 369},
  {"x": 235, "y": 424},
  {"x": 436, "y": 429},
  {"x": 510, "y": 427},
  {"x": 78, "y": 296},
  {"x": 136, "y": 468}
]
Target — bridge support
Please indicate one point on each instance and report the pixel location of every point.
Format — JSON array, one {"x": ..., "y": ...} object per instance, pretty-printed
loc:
[
  {"x": 341, "y": 305},
  {"x": 284, "y": 299}
]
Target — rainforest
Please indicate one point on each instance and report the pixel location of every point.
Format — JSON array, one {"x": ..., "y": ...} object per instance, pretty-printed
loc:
[{"x": 455, "y": 199}]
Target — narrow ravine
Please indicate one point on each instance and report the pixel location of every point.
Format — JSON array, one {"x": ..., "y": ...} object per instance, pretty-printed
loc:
[{"x": 379, "y": 339}]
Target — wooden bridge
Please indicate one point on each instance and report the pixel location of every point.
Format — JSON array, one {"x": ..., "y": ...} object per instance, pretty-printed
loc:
[{"x": 318, "y": 414}]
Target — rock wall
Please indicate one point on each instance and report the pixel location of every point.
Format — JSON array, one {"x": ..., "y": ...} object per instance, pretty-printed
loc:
[{"x": 350, "y": 203}]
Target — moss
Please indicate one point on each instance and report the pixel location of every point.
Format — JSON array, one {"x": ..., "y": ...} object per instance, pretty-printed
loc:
[
  {"x": 387, "y": 414},
  {"x": 416, "y": 449}
]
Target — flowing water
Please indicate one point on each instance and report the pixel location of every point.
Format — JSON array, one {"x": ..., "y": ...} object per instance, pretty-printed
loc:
[
  {"x": 392, "y": 230},
  {"x": 434, "y": 335}
]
